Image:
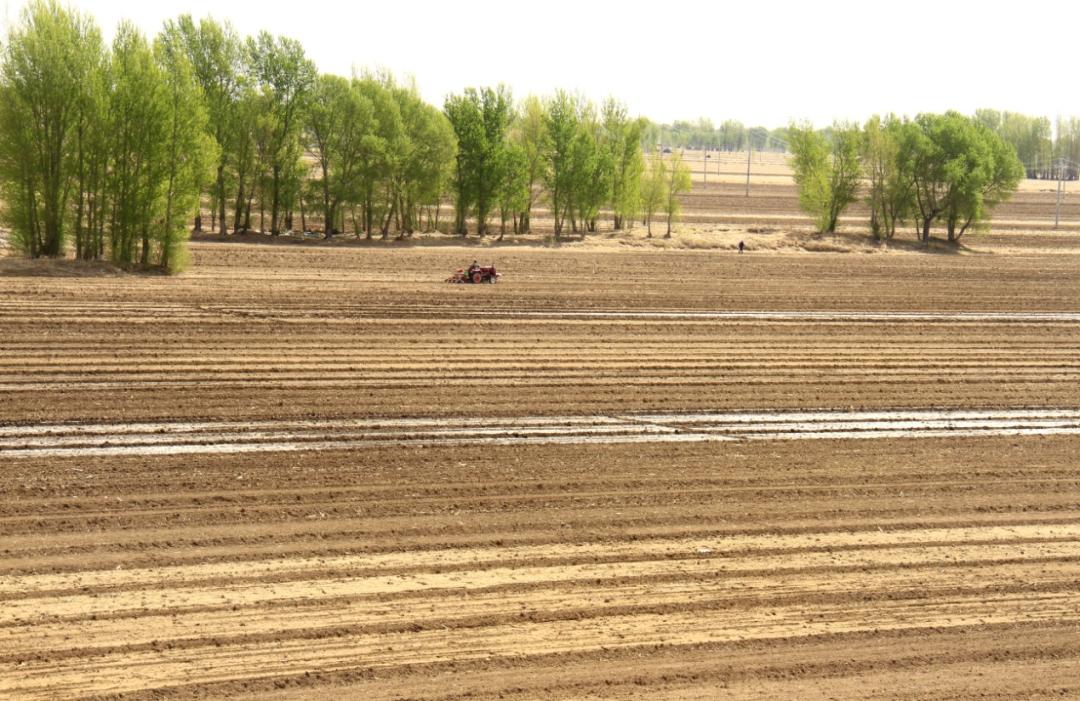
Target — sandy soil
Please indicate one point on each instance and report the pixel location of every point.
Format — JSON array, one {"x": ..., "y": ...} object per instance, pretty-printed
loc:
[{"x": 909, "y": 551}]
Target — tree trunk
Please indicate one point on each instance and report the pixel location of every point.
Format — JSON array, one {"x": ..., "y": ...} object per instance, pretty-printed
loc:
[
  {"x": 238, "y": 214},
  {"x": 221, "y": 197},
  {"x": 275, "y": 199},
  {"x": 385, "y": 231}
]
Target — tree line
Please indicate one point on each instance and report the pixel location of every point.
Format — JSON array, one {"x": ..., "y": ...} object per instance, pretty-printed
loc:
[
  {"x": 702, "y": 135},
  {"x": 946, "y": 169},
  {"x": 120, "y": 148},
  {"x": 115, "y": 151},
  {"x": 584, "y": 160},
  {"x": 1048, "y": 151},
  {"x": 107, "y": 146}
]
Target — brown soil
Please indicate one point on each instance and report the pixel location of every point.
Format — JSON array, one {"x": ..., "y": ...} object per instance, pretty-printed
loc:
[{"x": 872, "y": 568}]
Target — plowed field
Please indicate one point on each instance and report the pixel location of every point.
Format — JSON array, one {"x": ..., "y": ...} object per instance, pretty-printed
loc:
[{"x": 306, "y": 473}]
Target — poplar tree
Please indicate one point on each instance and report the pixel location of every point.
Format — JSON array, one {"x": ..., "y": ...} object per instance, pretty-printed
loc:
[
  {"x": 190, "y": 151},
  {"x": 827, "y": 171},
  {"x": 560, "y": 132},
  {"x": 528, "y": 134},
  {"x": 652, "y": 191},
  {"x": 623, "y": 146},
  {"x": 216, "y": 57},
  {"x": 481, "y": 121},
  {"x": 285, "y": 77},
  {"x": 676, "y": 183},
  {"x": 49, "y": 69},
  {"x": 339, "y": 119},
  {"x": 886, "y": 169}
]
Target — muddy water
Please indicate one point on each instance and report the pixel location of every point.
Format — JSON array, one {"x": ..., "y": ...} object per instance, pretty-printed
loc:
[{"x": 145, "y": 438}]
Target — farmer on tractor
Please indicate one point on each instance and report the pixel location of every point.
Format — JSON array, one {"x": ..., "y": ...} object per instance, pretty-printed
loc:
[{"x": 475, "y": 273}]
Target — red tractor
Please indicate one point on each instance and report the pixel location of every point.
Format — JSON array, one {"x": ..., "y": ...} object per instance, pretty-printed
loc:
[{"x": 475, "y": 274}]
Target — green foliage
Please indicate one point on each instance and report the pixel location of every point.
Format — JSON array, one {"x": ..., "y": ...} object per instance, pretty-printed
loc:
[
  {"x": 826, "y": 171},
  {"x": 515, "y": 195},
  {"x": 430, "y": 155},
  {"x": 590, "y": 167},
  {"x": 160, "y": 153},
  {"x": 190, "y": 152},
  {"x": 528, "y": 132},
  {"x": 731, "y": 135},
  {"x": 339, "y": 117},
  {"x": 378, "y": 148},
  {"x": 1029, "y": 136},
  {"x": 285, "y": 78},
  {"x": 561, "y": 123},
  {"x": 653, "y": 188},
  {"x": 119, "y": 150},
  {"x": 216, "y": 56},
  {"x": 1066, "y": 146},
  {"x": 47, "y": 78},
  {"x": 138, "y": 109},
  {"x": 676, "y": 183},
  {"x": 890, "y": 184},
  {"x": 622, "y": 143},
  {"x": 481, "y": 122},
  {"x": 960, "y": 170}
]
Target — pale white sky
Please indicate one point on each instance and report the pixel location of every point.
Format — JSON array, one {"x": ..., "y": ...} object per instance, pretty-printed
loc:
[{"x": 764, "y": 62}]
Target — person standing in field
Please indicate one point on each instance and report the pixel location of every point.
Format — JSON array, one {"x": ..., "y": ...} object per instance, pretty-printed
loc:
[{"x": 741, "y": 246}]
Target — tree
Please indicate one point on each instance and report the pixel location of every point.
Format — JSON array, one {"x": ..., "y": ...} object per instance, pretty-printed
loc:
[
  {"x": 337, "y": 122},
  {"x": 652, "y": 191},
  {"x": 481, "y": 120},
  {"x": 423, "y": 155},
  {"x": 92, "y": 161},
  {"x": 826, "y": 171},
  {"x": 528, "y": 134},
  {"x": 590, "y": 167},
  {"x": 245, "y": 161},
  {"x": 139, "y": 128},
  {"x": 890, "y": 191},
  {"x": 49, "y": 69},
  {"x": 217, "y": 60},
  {"x": 561, "y": 116},
  {"x": 677, "y": 182},
  {"x": 514, "y": 195},
  {"x": 622, "y": 138},
  {"x": 190, "y": 151},
  {"x": 378, "y": 149},
  {"x": 286, "y": 78},
  {"x": 960, "y": 170},
  {"x": 925, "y": 160},
  {"x": 1029, "y": 136},
  {"x": 986, "y": 175},
  {"x": 432, "y": 156}
]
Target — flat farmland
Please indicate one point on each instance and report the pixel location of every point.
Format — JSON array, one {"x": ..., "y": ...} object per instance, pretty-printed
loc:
[{"x": 320, "y": 472}]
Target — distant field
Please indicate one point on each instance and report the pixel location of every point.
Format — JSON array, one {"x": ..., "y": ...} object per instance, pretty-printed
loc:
[
  {"x": 719, "y": 200},
  {"x": 767, "y": 167}
]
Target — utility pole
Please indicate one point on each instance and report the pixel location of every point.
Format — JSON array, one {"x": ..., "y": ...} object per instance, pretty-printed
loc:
[
  {"x": 749, "y": 150},
  {"x": 1060, "y": 190}
]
